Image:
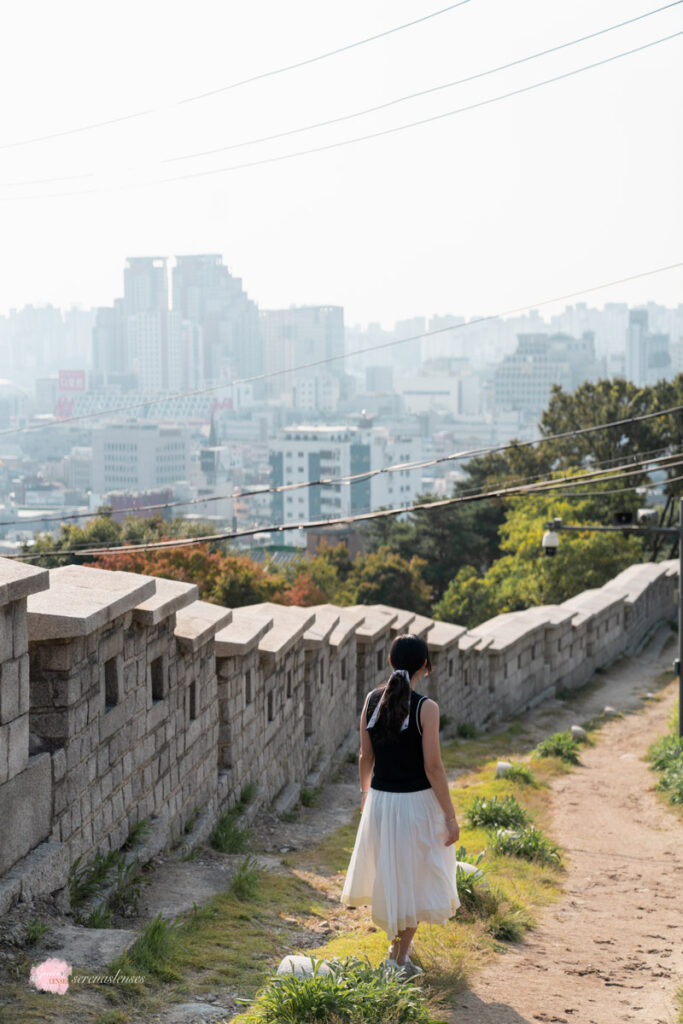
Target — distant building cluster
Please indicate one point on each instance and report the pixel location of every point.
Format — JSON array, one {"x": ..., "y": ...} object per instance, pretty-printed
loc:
[{"x": 184, "y": 394}]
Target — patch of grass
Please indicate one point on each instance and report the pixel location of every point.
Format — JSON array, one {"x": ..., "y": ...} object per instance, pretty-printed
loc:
[
  {"x": 35, "y": 930},
  {"x": 518, "y": 772},
  {"x": 245, "y": 882},
  {"x": 354, "y": 992},
  {"x": 289, "y": 817},
  {"x": 474, "y": 751},
  {"x": 87, "y": 881},
  {"x": 228, "y": 836},
  {"x": 112, "y": 1017},
  {"x": 154, "y": 952},
  {"x": 562, "y": 745},
  {"x": 509, "y": 923},
  {"x": 466, "y": 731},
  {"x": 528, "y": 843},
  {"x": 191, "y": 821},
  {"x": 137, "y": 834},
  {"x": 666, "y": 756},
  {"x": 309, "y": 796},
  {"x": 496, "y": 812}
]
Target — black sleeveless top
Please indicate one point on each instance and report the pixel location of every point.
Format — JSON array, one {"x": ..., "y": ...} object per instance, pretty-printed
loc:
[{"x": 399, "y": 763}]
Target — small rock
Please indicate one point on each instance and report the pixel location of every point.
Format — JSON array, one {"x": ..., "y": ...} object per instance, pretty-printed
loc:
[
  {"x": 578, "y": 733},
  {"x": 610, "y": 712},
  {"x": 303, "y": 965},
  {"x": 650, "y": 696},
  {"x": 502, "y": 768}
]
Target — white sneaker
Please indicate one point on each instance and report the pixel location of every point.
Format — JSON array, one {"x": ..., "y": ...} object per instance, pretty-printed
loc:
[{"x": 409, "y": 969}]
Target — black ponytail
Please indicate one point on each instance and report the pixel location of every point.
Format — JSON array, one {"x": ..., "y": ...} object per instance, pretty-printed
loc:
[{"x": 408, "y": 654}]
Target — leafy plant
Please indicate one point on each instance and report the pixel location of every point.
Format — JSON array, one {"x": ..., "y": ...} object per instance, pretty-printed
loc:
[
  {"x": 671, "y": 782},
  {"x": 137, "y": 833},
  {"x": 35, "y": 930},
  {"x": 562, "y": 745},
  {"x": 246, "y": 879},
  {"x": 353, "y": 992},
  {"x": 496, "y": 812},
  {"x": 99, "y": 917},
  {"x": 466, "y": 731},
  {"x": 87, "y": 881},
  {"x": 475, "y": 897},
  {"x": 309, "y": 796},
  {"x": 518, "y": 772},
  {"x": 509, "y": 924},
  {"x": 154, "y": 950},
  {"x": 228, "y": 837},
  {"x": 665, "y": 752},
  {"x": 529, "y": 843}
]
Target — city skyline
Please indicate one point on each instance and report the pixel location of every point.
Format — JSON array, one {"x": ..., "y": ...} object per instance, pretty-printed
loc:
[{"x": 562, "y": 188}]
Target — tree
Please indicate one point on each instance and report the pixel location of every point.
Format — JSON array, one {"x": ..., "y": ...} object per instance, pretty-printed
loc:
[
  {"x": 524, "y": 576},
  {"x": 385, "y": 577}
]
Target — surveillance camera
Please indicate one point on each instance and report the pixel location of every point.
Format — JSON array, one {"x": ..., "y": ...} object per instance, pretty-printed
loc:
[
  {"x": 550, "y": 542},
  {"x": 647, "y": 515}
]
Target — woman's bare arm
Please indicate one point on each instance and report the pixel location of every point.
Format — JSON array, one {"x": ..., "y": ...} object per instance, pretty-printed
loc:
[
  {"x": 434, "y": 769},
  {"x": 366, "y": 759}
]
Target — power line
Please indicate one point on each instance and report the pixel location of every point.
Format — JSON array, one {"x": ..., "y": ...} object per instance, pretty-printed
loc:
[
  {"x": 331, "y": 359},
  {"x": 233, "y": 85},
  {"x": 358, "y": 138},
  {"x": 544, "y": 487},
  {"x": 355, "y": 478},
  {"x": 422, "y": 92}
]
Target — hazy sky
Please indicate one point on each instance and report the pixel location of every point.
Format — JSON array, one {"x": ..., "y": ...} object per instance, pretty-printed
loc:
[{"x": 561, "y": 188}]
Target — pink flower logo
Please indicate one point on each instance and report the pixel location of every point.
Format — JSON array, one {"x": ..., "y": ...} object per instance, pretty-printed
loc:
[{"x": 51, "y": 976}]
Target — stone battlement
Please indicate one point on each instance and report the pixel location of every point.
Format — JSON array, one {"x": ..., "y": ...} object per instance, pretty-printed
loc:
[{"x": 124, "y": 697}]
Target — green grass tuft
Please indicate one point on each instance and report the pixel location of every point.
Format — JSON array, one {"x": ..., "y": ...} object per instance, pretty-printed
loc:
[
  {"x": 245, "y": 882},
  {"x": 153, "y": 952},
  {"x": 354, "y": 992},
  {"x": 309, "y": 796},
  {"x": 561, "y": 745},
  {"x": 228, "y": 836},
  {"x": 496, "y": 812},
  {"x": 528, "y": 843},
  {"x": 518, "y": 772}
]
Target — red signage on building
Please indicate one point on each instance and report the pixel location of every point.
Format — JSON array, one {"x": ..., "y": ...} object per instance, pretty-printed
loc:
[{"x": 72, "y": 380}]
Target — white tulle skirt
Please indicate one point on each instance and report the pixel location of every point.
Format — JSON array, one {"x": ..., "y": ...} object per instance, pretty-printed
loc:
[{"x": 400, "y": 865}]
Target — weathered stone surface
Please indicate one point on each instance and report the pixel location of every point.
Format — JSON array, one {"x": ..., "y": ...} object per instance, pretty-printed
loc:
[
  {"x": 170, "y": 596},
  {"x": 198, "y": 623},
  {"x": 578, "y": 733},
  {"x": 25, "y": 810},
  {"x": 610, "y": 712},
  {"x": 17, "y": 580},
  {"x": 88, "y": 950},
  {"x": 502, "y": 768},
  {"x": 81, "y": 601},
  {"x": 242, "y": 634},
  {"x": 196, "y": 1013}
]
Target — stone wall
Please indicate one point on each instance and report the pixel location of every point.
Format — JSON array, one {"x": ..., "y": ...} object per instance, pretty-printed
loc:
[{"x": 123, "y": 697}]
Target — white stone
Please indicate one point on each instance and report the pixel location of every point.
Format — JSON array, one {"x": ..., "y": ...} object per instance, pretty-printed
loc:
[
  {"x": 610, "y": 712},
  {"x": 578, "y": 733},
  {"x": 502, "y": 768},
  {"x": 303, "y": 965}
]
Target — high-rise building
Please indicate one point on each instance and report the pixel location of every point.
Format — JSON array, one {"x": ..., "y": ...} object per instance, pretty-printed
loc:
[
  {"x": 300, "y": 335},
  {"x": 137, "y": 456},
  {"x": 647, "y": 355},
  {"x": 523, "y": 381},
  {"x": 206, "y": 295},
  {"x": 145, "y": 285}
]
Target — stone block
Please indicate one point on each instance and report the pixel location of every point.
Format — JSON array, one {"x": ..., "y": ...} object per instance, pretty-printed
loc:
[
  {"x": 17, "y": 750},
  {"x": 26, "y": 809},
  {"x": 19, "y": 628},
  {"x": 9, "y": 692},
  {"x": 58, "y": 765}
]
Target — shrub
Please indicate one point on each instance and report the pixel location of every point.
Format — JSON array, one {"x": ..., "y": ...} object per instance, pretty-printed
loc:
[
  {"x": 354, "y": 992},
  {"x": 246, "y": 879},
  {"x": 528, "y": 843},
  {"x": 518, "y": 772},
  {"x": 561, "y": 745},
  {"x": 475, "y": 897},
  {"x": 665, "y": 752},
  {"x": 671, "y": 782},
  {"x": 509, "y": 924},
  {"x": 466, "y": 731},
  {"x": 228, "y": 837},
  {"x": 496, "y": 812},
  {"x": 154, "y": 950},
  {"x": 309, "y": 796}
]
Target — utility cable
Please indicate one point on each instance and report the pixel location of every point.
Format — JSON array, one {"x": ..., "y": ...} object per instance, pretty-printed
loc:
[
  {"x": 421, "y": 93},
  {"x": 355, "y": 139},
  {"x": 270, "y": 374},
  {"x": 233, "y": 85},
  {"x": 545, "y": 487}
]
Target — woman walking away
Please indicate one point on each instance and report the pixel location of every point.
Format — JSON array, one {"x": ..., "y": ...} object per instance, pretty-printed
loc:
[{"x": 403, "y": 862}]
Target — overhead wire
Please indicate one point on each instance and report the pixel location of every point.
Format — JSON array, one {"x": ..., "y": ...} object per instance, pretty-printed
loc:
[
  {"x": 232, "y": 85},
  {"x": 423, "y": 92},
  {"x": 544, "y": 487},
  {"x": 270, "y": 374}
]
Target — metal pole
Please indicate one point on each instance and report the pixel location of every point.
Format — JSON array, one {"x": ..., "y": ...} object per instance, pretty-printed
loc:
[{"x": 680, "y": 618}]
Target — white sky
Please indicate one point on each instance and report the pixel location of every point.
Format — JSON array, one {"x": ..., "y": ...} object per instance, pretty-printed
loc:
[{"x": 573, "y": 184}]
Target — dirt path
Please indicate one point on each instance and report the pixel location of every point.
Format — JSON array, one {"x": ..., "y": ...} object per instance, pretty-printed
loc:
[{"x": 612, "y": 950}]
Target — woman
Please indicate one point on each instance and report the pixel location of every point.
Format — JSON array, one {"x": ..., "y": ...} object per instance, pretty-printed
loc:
[{"x": 403, "y": 861}]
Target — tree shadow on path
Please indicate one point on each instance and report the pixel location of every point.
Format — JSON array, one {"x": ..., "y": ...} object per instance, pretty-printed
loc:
[{"x": 468, "y": 1008}]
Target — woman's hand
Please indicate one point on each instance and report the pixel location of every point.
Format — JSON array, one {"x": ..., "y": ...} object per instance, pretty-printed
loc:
[{"x": 453, "y": 832}]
